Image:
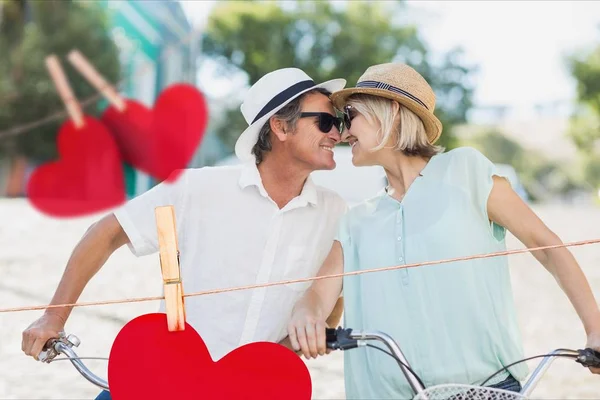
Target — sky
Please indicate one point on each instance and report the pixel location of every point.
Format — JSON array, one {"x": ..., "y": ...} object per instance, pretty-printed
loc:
[{"x": 518, "y": 46}]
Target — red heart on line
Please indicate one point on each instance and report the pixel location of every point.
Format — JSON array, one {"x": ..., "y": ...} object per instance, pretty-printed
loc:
[
  {"x": 161, "y": 140},
  {"x": 87, "y": 178},
  {"x": 149, "y": 362}
]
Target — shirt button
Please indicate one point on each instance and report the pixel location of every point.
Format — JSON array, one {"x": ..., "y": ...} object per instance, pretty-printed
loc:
[
  {"x": 399, "y": 237},
  {"x": 400, "y": 258}
]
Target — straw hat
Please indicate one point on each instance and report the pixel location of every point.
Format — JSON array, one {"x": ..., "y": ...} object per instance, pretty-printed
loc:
[
  {"x": 397, "y": 81},
  {"x": 269, "y": 95}
]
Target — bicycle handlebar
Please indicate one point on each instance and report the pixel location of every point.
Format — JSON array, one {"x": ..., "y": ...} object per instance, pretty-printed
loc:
[
  {"x": 64, "y": 345},
  {"x": 345, "y": 339},
  {"x": 336, "y": 339}
]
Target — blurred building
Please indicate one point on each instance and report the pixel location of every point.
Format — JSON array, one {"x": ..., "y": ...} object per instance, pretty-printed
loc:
[{"x": 158, "y": 47}]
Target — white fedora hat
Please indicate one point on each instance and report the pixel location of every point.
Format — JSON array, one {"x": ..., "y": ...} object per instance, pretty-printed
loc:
[{"x": 268, "y": 95}]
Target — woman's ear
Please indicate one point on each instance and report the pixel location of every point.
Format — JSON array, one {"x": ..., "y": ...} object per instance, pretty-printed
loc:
[
  {"x": 278, "y": 128},
  {"x": 395, "y": 108}
]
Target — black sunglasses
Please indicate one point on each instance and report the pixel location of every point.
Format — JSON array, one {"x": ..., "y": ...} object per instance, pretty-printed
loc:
[
  {"x": 348, "y": 115},
  {"x": 326, "y": 121}
]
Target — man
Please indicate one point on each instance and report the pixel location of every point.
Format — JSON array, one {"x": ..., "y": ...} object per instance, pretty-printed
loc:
[{"x": 258, "y": 222}]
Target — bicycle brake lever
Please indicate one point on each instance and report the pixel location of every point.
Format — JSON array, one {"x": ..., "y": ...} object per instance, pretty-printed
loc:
[
  {"x": 49, "y": 351},
  {"x": 589, "y": 358}
]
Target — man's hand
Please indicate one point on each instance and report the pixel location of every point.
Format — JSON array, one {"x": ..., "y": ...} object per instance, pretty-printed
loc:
[
  {"x": 90, "y": 254},
  {"x": 593, "y": 342},
  {"x": 39, "y": 332}
]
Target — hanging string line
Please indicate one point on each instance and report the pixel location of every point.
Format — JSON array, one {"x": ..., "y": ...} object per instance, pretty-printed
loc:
[{"x": 288, "y": 282}]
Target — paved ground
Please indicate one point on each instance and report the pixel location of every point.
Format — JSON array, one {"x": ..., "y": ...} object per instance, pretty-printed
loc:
[{"x": 34, "y": 250}]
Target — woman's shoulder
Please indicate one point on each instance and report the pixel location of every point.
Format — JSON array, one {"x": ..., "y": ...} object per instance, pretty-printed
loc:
[
  {"x": 463, "y": 157},
  {"x": 364, "y": 208}
]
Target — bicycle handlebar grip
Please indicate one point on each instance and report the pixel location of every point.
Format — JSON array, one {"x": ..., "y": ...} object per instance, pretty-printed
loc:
[
  {"x": 589, "y": 358},
  {"x": 330, "y": 335},
  {"x": 339, "y": 339},
  {"x": 331, "y": 338}
]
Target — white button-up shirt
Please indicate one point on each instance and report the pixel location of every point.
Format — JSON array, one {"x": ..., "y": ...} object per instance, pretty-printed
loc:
[{"x": 230, "y": 233}]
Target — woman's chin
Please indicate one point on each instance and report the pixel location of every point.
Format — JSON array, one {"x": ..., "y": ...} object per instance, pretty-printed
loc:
[{"x": 356, "y": 160}]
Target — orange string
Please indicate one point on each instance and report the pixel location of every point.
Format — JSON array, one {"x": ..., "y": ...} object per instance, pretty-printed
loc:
[{"x": 287, "y": 282}]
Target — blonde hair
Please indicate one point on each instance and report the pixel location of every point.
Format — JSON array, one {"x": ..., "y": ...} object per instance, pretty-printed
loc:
[{"x": 409, "y": 135}]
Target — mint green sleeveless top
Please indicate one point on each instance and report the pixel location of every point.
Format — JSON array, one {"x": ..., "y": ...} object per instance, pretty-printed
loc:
[{"x": 455, "y": 322}]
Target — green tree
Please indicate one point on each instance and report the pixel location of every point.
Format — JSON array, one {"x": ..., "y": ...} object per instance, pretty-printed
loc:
[
  {"x": 584, "y": 128},
  {"x": 500, "y": 149},
  {"x": 30, "y": 31},
  {"x": 327, "y": 41},
  {"x": 540, "y": 176}
]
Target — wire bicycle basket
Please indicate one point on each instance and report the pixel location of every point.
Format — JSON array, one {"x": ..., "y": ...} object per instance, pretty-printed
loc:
[{"x": 466, "y": 392}]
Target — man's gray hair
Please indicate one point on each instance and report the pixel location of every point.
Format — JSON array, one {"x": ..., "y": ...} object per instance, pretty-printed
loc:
[{"x": 289, "y": 114}]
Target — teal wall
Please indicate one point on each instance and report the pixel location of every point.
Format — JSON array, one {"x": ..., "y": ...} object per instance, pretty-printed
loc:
[{"x": 142, "y": 41}]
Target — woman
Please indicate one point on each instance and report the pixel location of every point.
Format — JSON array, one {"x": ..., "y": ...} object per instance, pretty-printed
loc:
[{"x": 455, "y": 322}]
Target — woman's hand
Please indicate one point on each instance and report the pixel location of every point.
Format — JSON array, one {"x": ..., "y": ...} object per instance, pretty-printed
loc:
[
  {"x": 306, "y": 330},
  {"x": 593, "y": 342}
]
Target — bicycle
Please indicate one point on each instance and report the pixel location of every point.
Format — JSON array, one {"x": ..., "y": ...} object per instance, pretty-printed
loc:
[
  {"x": 346, "y": 339},
  {"x": 64, "y": 345}
]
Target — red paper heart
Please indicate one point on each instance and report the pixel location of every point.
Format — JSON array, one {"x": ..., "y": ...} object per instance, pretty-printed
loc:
[
  {"x": 164, "y": 139},
  {"x": 87, "y": 178},
  {"x": 149, "y": 362}
]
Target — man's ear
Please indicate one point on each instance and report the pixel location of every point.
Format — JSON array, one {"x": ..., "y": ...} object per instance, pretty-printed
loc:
[{"x": 278, "y": 127}]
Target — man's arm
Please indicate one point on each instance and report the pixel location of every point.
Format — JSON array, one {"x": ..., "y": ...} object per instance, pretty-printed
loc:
[{"x": 88, "y": 256}]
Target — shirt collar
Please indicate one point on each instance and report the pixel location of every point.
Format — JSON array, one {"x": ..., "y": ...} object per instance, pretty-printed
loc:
[
  {"x": 251, "y": 177},
  {"x": 384, "y": 198},
  {"x": 381, "y": 199},
  {"x": 309, "y": 191}
]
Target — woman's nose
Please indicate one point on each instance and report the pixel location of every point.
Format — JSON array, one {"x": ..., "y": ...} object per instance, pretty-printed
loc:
[{"x": 345, "y": 136}]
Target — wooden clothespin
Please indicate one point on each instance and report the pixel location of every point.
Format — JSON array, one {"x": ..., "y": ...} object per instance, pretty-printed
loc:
[
  {"x": 85, "y": 68},
  {"x": 64, "y": 90},
  {"x": 170, "y": 267}
]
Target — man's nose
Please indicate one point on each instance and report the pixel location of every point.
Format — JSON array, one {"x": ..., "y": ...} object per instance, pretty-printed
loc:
[{"x": 334, "y": 134}]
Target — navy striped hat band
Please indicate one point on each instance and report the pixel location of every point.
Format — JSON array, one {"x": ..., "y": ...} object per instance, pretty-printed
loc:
[
  {"x": 385, "y": 86},
  {"x": 284, "y": 96}
]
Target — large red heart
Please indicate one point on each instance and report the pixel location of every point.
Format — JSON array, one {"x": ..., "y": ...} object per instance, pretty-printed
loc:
[
  {"x": 149, "y": 362},
  {"x": 162, "y": 140},
  {"x": 87, "y": 178}
]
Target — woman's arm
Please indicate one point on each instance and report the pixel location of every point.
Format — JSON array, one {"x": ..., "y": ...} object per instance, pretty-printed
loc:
[
  {"x": 306, "y": 329},
  {"x": 506, "y": 208}
]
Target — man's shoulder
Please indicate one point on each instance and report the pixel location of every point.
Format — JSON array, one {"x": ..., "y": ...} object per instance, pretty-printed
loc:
[
  {"x": 214, "y": 174},
  {"x": 330, "y": 196}
]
